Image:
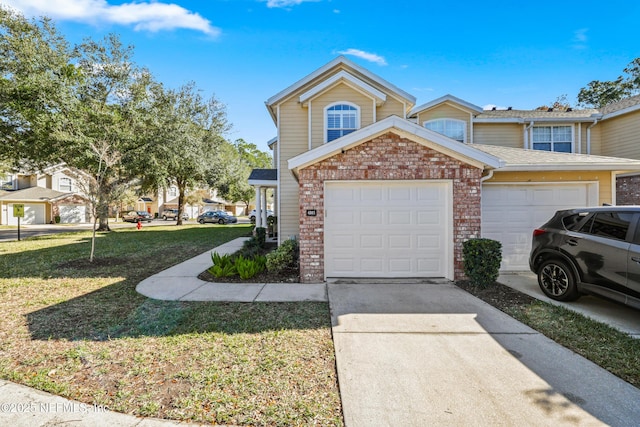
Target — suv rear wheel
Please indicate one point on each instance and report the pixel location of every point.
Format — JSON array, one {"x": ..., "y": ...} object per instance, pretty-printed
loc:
[{"x": 557, "y": 282}]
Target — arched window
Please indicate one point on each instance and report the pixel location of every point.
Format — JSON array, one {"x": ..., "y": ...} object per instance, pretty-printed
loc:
[
  {"x": 454, "y": 129},
  {"x": 341, "y": 119}
]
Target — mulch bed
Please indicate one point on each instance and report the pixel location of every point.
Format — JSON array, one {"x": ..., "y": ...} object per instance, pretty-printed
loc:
[{"x": 498, "y": 295}]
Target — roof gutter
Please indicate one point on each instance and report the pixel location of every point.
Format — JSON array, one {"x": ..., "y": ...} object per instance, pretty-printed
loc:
[{"x": 595, "y": 122}]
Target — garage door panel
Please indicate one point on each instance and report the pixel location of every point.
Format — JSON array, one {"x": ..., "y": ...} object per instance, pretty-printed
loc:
[
  {"x": 399, "y": 229},
  {"x": 511, "y": 212},
  {"x": 374, "y": 217},
  {"x": 402, "y": 217},
  {"x": 343, "y": 241},
  {"x": 346, "y": 218},
  {"x": 400, "y": 241},
  {"x": 371, "y": 241},
  {"x": 400, "y": 195},
  {"x": 371, "y": 195},
  {"x": 399, "y": 265}
]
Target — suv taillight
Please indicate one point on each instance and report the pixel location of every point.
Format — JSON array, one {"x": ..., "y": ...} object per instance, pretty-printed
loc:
[{"x": 538, "y": 232}]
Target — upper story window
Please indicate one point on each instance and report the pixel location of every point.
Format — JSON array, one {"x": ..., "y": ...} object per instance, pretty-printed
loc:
[
  {"x": 552, "y": 138},
  {"x": 64, "y": 184},
  {"x": 452, "y": 128},
  {"x": 6, "y": 182},
  {"x": 173, "y": 191},
  {"x": 341, "y": 119}
]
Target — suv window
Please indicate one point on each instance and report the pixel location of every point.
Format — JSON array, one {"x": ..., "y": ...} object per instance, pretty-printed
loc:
[
  {"x": 608, "y": 224},
  {"x": 573, "y": 222}
]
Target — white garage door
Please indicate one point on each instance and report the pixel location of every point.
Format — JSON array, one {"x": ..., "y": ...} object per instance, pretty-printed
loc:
[
  {"x": 388, "y": 229},
  {"x": 73, "y": 214},
  {"x": 33, "y": 214},
  {"x": 510, "y": 213}
]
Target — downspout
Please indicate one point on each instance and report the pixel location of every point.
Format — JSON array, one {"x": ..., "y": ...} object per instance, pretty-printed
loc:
[
  {"x": 589, "y": 136},
  {"x": 487, "y": 177},
  {"x": 527, "y": 143}
]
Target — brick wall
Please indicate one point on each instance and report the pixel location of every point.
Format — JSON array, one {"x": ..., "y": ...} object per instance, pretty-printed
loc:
[
  {"x": 628, "y": 190},
  {"x": 388, "y": 157}
]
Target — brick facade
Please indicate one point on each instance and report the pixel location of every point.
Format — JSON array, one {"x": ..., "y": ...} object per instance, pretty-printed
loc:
[
  {"x": 388, "y": 157},
  {"x": 628, "y": 190}
]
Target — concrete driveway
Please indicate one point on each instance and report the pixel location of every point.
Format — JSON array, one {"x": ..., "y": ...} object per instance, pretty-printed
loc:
[{"x": 417, "y": 354}]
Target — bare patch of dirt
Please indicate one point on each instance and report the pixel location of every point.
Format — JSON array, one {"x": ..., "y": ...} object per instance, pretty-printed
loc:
[{"x": 498, "y": 295}]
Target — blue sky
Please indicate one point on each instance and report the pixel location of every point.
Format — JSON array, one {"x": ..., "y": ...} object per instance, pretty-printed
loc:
[{"x": 503, "y": 53}]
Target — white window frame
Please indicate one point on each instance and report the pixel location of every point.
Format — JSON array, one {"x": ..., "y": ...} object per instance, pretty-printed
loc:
[
  {"x": 447, "y": 119},
  {"x": 326, "y": 118},
  {"x": 7, "y": 182},
  {"x": 63, "y": 187},
  {"x": 552, "y": 142},
  {"x": 172, "y": 191}
]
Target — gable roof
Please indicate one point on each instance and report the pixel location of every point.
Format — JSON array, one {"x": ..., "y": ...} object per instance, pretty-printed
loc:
[
  {"x": 520, "y": 159},
  {"x": 463, "y": 152},
  {"x": 335, "y": 63},
  {"x": 443, "y": 99}
]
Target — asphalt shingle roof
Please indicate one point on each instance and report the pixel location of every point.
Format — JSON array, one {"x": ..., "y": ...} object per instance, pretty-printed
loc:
[
  {"x": 264, "y": 175},
  {"x": 524, "y": 158},
  {"x": 34, "y": 194}
]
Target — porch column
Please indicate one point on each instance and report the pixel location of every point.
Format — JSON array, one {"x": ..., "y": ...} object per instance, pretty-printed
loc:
[
  {"x": 258, "y": 206},
  {"x": 263, "y": 212}
]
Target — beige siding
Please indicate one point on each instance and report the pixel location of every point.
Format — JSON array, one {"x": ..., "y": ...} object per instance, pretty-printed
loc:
[
  {"x": 293, "y": 140},
  {"x": 391, "y": 107},
  {"x": 621, "y": 136},
  {"x": 340, "y": 92},
  {"x": 603, "y": 177},
  {"x": 501, "y": 134},
  {"x": 446, "y": 111}
]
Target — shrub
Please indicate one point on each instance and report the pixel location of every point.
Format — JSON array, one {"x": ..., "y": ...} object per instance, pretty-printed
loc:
[
  {"x": 481, "y": 260},
  {"x": 261, "y": 235},
  {"x": 285, "y": 256},
  {"x": 223, "y": 265},
  {"x": 247, "y": 268}
]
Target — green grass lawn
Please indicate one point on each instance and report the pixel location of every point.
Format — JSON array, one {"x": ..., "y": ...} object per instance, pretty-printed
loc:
[{"x": 80, "y": 330}]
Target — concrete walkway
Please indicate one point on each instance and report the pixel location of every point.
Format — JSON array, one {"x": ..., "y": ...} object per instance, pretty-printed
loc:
[
  {"x": 430, "y": 354},
  {"x": 181, "y": 283}
]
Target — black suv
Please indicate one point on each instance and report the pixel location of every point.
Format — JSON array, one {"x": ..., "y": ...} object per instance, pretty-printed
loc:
[{"x": 589, "y": 250}]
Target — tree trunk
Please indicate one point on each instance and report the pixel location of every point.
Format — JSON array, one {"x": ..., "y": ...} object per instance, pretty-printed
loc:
[
  {"x": 181, "y": 191},
  {"x": 103, "y": 211}
]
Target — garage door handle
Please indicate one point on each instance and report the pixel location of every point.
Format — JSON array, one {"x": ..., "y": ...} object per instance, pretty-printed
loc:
[
  {"x": 572, "y": 242},
  {"x": 635, "y": 259}
]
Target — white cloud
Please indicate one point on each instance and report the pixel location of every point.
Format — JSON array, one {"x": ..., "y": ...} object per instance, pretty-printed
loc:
[
  {"x": 286, "y": 3},
  {"x": 143, "y": 16},
  {"x": 580, "y": 38},
  {"x": 371, "y": 57},
  {"x": 580, "y": 35}
]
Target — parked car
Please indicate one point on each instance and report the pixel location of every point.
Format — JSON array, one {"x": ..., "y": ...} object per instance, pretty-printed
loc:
[
  {"x": 589, "y": 251},
  {"x": 252, "y": 214},
  {"x": 173, "y": 214},
  {"x": 135, "y": 216},
  {"x": 217, "y": 217}
]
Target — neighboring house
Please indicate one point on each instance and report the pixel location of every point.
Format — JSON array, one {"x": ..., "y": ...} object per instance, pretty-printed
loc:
[
  {"x": 167, "y": 198},
  {"x": 373, "y": 186},
  {"x": 48, "y": 196}
]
